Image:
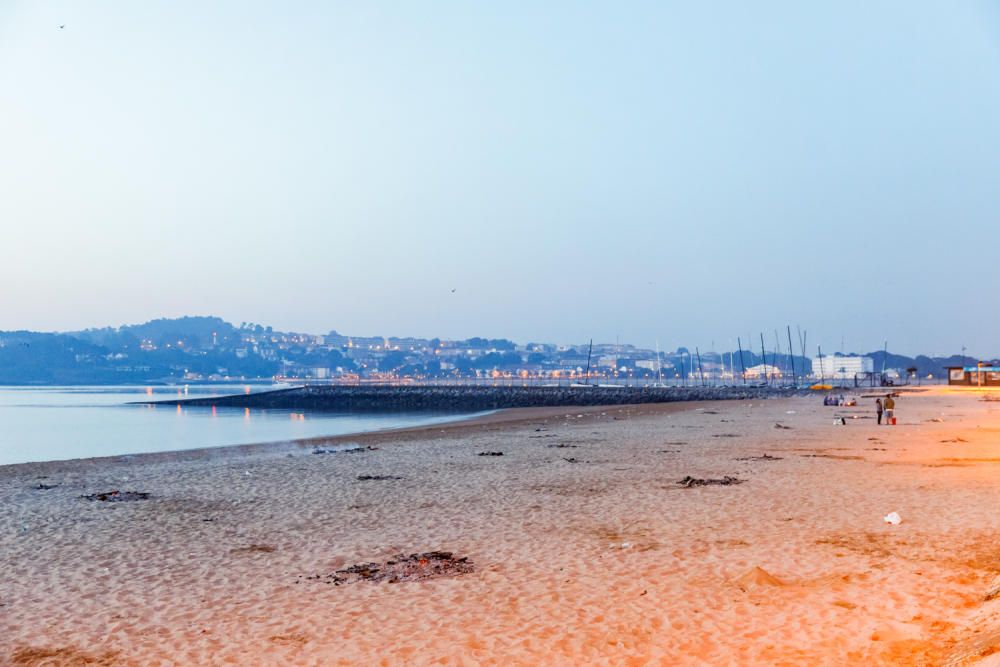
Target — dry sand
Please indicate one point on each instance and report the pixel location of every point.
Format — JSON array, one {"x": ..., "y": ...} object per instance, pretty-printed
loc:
[{"x": 599, "y": 559}]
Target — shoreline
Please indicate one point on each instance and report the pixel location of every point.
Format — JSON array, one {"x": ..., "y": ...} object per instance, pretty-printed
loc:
[
  {"x": 462, "y": 424},
  {"x": 504, "y": 417}
]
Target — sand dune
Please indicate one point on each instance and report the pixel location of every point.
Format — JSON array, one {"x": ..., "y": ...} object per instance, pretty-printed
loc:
[{"x": 585, "y": 549}]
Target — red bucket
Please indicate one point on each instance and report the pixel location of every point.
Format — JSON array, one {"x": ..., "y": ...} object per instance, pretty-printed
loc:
[{"x": 893, "y": 421}]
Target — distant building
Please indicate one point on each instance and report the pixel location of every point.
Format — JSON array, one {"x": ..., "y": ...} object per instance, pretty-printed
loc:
[
  {"x": 763, "y": 371},
  {"x": 977, "y": 376},
  {"x": 842, "y": 367}
]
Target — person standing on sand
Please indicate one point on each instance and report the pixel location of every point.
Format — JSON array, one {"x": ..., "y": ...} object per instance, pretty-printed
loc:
[
  {"x": 878, "y": 409},
  {"x": 890, "y": 406}
]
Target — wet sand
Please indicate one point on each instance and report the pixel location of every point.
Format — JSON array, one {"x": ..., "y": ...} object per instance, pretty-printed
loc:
[{"x": 584, "y": 547}]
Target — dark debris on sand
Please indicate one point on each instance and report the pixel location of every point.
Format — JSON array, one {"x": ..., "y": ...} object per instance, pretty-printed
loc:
[
  {"x": 117, "y": 496},
  {"x": 350, "y": 450},
  {"x": 689, "y": 482},
  {"x": 490, "y": 454},
  {"x": 562, "y": 445},
  {"x": 765, "y": 457},
  {"x": 44, "y": 487},
  {"x": 377, "y": 478},
  {"x": 415, "y": 567},
  {"x": 255, "y": 548}
]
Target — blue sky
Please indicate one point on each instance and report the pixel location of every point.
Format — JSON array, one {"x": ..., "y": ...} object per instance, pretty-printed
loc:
[{"x": 681, "y": 172}]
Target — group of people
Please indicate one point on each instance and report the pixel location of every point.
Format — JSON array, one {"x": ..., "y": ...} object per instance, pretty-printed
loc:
[
  {"x": 884, "y": 406},
  {"x": 839, "y": 401},
  {"x": 888, "y": 407}
]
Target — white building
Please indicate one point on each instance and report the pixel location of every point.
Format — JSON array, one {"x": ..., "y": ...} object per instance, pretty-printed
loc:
[
  {"x": 763, "y": 371},
  {"x": 840, "y": 367}
]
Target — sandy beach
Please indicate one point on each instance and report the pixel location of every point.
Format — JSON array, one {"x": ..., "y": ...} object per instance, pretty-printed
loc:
[{"x": 584, "y": 547}]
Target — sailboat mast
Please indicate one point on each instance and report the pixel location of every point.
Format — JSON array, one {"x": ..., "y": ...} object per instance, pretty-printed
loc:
[
  {"x": 791, "y": 355},
  {"x": 659, "y": 371},
  {"x": 767, "y": 379},
  {"x": 743, "y": 367}
]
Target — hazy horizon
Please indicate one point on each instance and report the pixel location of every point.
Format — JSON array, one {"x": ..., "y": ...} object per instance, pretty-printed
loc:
[{"x": 644, "y": 172}]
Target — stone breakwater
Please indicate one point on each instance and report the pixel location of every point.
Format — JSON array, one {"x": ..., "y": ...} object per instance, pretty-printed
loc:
[{"x": 381, "y": 398}]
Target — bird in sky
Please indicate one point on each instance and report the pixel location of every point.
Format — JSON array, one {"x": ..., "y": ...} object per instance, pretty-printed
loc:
[
  {"x": 452, "y": 291},
  {"x": 62, "y": 26}
]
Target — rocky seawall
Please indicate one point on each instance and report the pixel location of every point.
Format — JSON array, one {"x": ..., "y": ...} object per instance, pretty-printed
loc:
[{"x": 386, "y": 398}]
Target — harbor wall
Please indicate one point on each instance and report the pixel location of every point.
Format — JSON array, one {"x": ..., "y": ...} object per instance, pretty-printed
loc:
[{"x": 443, "y": 398}]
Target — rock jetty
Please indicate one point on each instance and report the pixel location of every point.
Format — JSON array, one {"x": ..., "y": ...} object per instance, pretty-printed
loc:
[{"x": 444, "y": 398}]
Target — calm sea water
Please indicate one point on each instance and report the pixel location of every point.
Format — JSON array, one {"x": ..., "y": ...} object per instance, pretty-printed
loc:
[{"x": 56, "y": 423}]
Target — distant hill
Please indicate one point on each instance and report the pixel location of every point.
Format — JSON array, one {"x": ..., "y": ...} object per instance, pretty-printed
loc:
[
  {"x": 189, "y": 332},
  {"x": 163, "y": 349},
  {"x": 27, "y": 357}
]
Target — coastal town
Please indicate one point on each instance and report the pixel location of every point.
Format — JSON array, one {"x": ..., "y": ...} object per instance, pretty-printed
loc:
[{"x": 210, "y": 350}]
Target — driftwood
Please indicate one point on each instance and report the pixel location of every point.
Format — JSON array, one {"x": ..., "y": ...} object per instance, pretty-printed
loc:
[
  {"x": 689, "y": 482},
  {"x": 349, "y": 450},
  {"x": 117, "y": 496}
]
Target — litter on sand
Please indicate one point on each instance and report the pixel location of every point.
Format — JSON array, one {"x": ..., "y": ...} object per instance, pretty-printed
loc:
[{"x": 893, "y": 518}]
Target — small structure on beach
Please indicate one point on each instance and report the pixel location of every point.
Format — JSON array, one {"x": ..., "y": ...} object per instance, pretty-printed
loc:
[{"x": 980, "y": 375}]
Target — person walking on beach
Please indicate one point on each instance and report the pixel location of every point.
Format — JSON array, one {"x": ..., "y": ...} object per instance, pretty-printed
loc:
[
  {"x": 890, "y": 407},
  {"x": 878, "y": 409}
]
